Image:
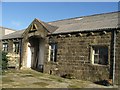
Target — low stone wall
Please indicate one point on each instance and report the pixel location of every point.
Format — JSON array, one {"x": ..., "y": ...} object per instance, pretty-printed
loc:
[{"x": 13, "y": 60}]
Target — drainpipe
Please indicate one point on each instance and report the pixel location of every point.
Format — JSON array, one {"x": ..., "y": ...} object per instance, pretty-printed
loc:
[
  {"x": 114, "y": 46},
  {"x": 20, "y": 48}
]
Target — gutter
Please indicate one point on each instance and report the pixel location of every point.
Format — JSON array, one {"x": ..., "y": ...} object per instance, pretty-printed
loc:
[{"x": 114, "y": 51}]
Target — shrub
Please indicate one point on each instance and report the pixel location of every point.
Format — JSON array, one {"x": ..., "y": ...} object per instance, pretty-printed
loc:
[{"x": 4, "y": 60}]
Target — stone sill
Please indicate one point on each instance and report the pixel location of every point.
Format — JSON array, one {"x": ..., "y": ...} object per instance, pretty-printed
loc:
[{"x": 99, "y": 65}]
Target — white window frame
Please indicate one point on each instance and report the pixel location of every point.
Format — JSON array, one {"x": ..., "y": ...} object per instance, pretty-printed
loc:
[
  {"x": 52, "y": 48},
  {"x": 5, "y": 47},
  {"x": 93, "y": 54},
  {"x": 16, "y": 48}
]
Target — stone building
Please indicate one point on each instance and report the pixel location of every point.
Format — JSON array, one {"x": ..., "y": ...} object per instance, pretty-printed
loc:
[
  {"x": 86, "y": 47},
  {"x": 4, "y": 31}
]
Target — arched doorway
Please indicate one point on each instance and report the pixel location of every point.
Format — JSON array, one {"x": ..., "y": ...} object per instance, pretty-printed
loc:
[{"x": 35, "y": 53}]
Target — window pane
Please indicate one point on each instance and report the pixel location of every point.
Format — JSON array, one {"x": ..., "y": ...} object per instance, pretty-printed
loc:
[
  {"x": 16, "y": 47},
  {"x": 96, "y": 50},
  {"x": 100, "y": 54},
  {"x": 5, "y": 47},
  {"x": 104, "y": 56},
  {"x": 51, "y": 55},
  {"x": 96, "y": 59},
  {"x": 53, "y": 52}
]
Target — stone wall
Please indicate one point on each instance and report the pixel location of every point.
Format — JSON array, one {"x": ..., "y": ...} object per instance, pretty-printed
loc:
[
  {"x": 10, "y": 46},
  {"x": 117, "y": 72},
  {"x": 39, "y": 33},
  {"x": 13, "y": 58},
  {"x": 0, "y": 45},
  {"x": 73, "y": 56}
]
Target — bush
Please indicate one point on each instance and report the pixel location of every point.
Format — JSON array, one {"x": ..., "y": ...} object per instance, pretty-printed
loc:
[{"x": 4, "y": 60}]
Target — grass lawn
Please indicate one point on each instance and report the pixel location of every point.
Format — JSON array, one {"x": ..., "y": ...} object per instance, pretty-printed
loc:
[{"x": 33, "y": 79}]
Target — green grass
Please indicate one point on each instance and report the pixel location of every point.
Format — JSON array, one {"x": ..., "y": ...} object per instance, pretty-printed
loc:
[
  {"x": 27, "y": 75},
  {"x": 32, "y": 72},
  {"x": 42, "y": 84},
  {"x": 73, "y": 86},
  {"x": 7, "y": 80},
  {"x": 59, "y": 80},
  {"x": 56, "y": 78},
  {"x": 45, "y": 79}
]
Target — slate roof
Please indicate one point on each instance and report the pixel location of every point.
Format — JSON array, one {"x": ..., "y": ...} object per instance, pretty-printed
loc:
[
  {"x": 1, "y": 27},
  {"x": 17, "y": 34},
  {"x": 49, "y": 27},
  {"x": 87, "y": 23},
  {"x": 78, "y": 24},
  {"x": 3, "y": 31}
]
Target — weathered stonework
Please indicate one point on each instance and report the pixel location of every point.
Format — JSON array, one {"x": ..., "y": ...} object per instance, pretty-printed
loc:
[
  {"x": 117, "y": 62},
  {"x": 73, "y": 56},
  {"x": 13, "y": 60},
  {"x": 0, "y": 45},
  {"x": 39, "y": 34},
  {"x": 10, "y": 46}
]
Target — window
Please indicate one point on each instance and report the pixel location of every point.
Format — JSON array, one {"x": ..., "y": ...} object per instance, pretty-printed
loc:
[
  {"x": 16, "y": 47},
  {"x": 5, "y": 47},
  {"x": 52, "y": 52},
  {"x": 100, "y": 55}
]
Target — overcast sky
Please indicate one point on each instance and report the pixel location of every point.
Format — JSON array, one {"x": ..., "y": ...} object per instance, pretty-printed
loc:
[{"x": 19, "y": 15}]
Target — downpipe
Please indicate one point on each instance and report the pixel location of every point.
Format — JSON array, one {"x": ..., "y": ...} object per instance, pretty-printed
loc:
[{"x": 114, "y": 51}]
